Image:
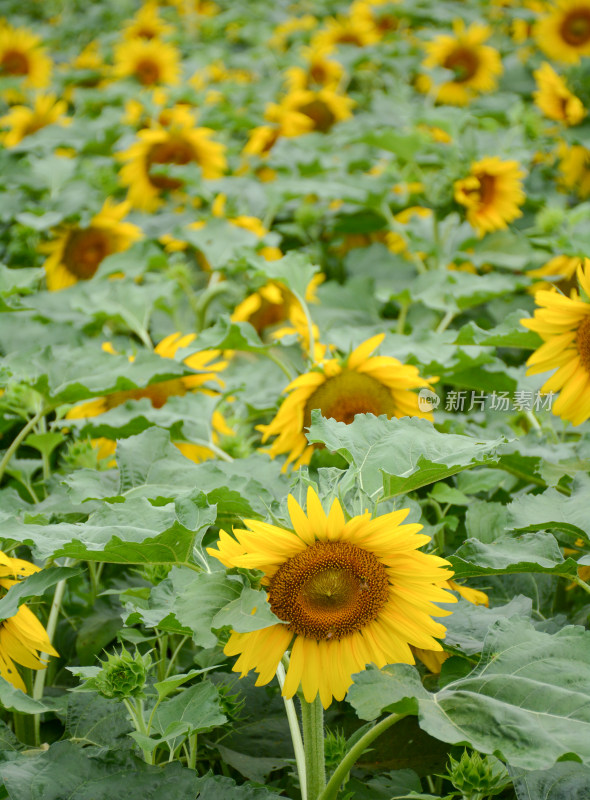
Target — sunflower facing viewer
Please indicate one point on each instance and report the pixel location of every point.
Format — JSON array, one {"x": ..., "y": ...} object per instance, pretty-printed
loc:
[
  {"x": 359, "y": 384},
  {"x": 491, "y": 193},
  {"x": 348, "y": 594},
  {"x": 564, "y": 325},
  {"x": 564, "y": 33}
]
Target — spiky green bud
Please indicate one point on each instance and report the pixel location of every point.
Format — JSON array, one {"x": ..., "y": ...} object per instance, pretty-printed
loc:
[
  {"x": 476, "y": 777},
  {"x": 123, "y": 675}
]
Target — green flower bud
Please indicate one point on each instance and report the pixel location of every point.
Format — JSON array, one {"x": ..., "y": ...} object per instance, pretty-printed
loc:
[
  {"x": 549, "y": 219},
  {"x": 476, "y": 777},
  {"x": 123, "y": 675}
]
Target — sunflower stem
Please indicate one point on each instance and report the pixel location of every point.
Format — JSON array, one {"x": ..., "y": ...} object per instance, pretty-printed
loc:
[
  {"x": 18, "y": 439},
  {"x": 312, "y": 717},
  {"x": 331, "y": 790},
  {"x": 295, "y": 734},
  {"x": 270, "y": 355}
]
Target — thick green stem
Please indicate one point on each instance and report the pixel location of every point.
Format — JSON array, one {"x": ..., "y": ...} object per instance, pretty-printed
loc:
[
  {"x": 192, "y": 751},
  {"x": 18, "y": 439},
  {"x": 355, "y": 752},
  {"x": 312, "y": 718},
  {"x": 295, "y": 734},
  {"x": 135, "y": 710}
]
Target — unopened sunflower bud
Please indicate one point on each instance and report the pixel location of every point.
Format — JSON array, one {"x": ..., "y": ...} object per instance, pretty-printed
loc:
[
  {"x": 123, "y": 675},
  {"x": 476, "y": 777}
]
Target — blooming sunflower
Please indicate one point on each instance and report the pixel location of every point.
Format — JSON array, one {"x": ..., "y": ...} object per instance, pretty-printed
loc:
[
  {"x": 22, "y": 638},
  {"x": 574, "y": 167},
  {"x": 23, "y": 121},
  {"x": 492, "y": 194},
  {"x": 179, "y": 142},
  {"x": 564, "y": 325},
  {"x": 564, "y": 33},
  {"x": 206, "y": 367},
  {"x": 358, "y": 384},
  {"x": 475, "y": 66},
  {"x": 21, "y": 55},
  {"x": 562, "y": 270},
  {"x": 304, "y": 110},
  {"x": 319, "y": 71},
  {"x": 76, "y": 253},
  {"x": 554, "y": 98},
  {"x": 261, "y": 140},
  {"x": 150, "y": 61},
  {"x": 358, "y": 30},
  {"x": 348, "y": 594},
  {"x": 146, "y": 24}
]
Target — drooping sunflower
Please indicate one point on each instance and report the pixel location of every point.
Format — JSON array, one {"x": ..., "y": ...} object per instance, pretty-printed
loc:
[
  {"x": 554, "y": 98},
  {"x": 146, "y": 24},
  {"x": 348, "y": 593},
  {"x": 22, "y": 56},
  {"x": 564, "y": 325},
  {"x": 574, "y": 166},
  {"x": 150, "y": 61},
  {"x": 564, "y": 33},
  {"x": 179, "y": 142},
  {"x": 22, "y": 638},
  {"x": 207, "y": 369},
  {"x": 304, "y": 110},
  {"x": 23, "y": 121},
  {"x": 475, "y": 66},
  {"x": 76, "y": 253},
  {"x": 492, "y": 194},
  {"x": 342, "y": 388}
]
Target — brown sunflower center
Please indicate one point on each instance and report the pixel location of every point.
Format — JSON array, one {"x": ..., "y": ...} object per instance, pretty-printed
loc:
[
  {"x": 583, "y": 343},
  {"x": 15, "y": 63},
  {"x": 347, "y": 394},
  {"x": 329, "y": 590},
  {"x": 84, "y": 250},
  {"x": 575, "y": 28},
  {"x": 463, "y": 62},
  {"x": 173, "y": 151},
  {"x": 487, "y": 188},
  {"x": 146, "y": 32},
  {"x": 147, "y": 71},
  {"x": 319, "y": 113},
  {"x": 318, "y": 73}
]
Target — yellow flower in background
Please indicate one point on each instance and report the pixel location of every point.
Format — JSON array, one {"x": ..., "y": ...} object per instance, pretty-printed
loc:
[
  {"x": 22, "y": 121},
  {"x": 319, "y": 71},
  {"x": 206, "y": 368},
  {"x": 492, "y": 194},
  {"x": 348, "y": 593},
  {"x": 562, "y": 269},
  {"x": 146, "y": 24},
  {"x": 475, "y": 66},
  {"x": 22, "y": 638},
  {"x": 554, "y": 98},
  {"x": 564, "y": 33},
  {"x": 177, "y": 143},
  {"x": 261, "y": 140},
  {"x": 76, "y": 253},
  {"x": 342, "y": 388},
  {"x": 564, "y": 325},
  {"x": 202, "y": 8},
  {"x": 304, "y": 110},
  {"x": 286, "y": 29},
  {"x": 150, "y": 61},
  {"x": 358, "y": 30},
  {"x": 574, "y": 167},
  {"x": 22, "y": 56}
]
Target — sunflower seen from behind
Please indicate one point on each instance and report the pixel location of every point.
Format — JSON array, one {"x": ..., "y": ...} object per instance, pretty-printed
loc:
[
  {"x": 492, "y": 193},
  {"x": 341, "y": 388},
  {"x": 23, "y": 640},
  {"x": 564, "y": 325},
  {"x": 348, "y": 594},
  {"x": 563, "y": 33},
  {"x": 77, "y": 251},
  {"x": 475, "y": 66},
  {"x": 176, "y": 143}
]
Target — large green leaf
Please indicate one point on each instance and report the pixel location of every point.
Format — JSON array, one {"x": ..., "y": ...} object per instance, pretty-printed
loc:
[
  {"x": 193, "y": 710},
  {"x": 216, "y": 787},
  {"x": 567, "y": 780},
  {"x": 552, "y": 509},
  {"x": 527, "y": 701},
  {"x": 399, "y": 454}
]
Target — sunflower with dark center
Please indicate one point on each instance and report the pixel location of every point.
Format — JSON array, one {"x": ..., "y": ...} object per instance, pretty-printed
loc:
[
  {"x": 77, "y": 252},
  {"x": 564, "y": 33},
  {"x": 23, "y": 121},
  {"x": 475, "y": 66},
  {"x": 304, "y": 110},
  {"x": 177, "y": 143},
  {"x": 22, "y": 56},
  {"x": 23, "y": 640},
  {"x": 347, "y": 594},
  {"x": 150, "y": 61},
  {"x": 564, "y": 325},
  {"x": 492, "y": 194},
  {"x": 554, "y": 98},
  {"x": 147, "y": 24},
  {"x": 341, "y": 389},
  {"x": 574, "y": 168}
]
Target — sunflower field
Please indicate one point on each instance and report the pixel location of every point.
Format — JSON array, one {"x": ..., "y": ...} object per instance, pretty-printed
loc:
[{"x": 295, "y": 399}]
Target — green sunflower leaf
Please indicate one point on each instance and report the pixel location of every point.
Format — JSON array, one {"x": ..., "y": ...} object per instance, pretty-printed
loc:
[{"x": 33, "y": 586}]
